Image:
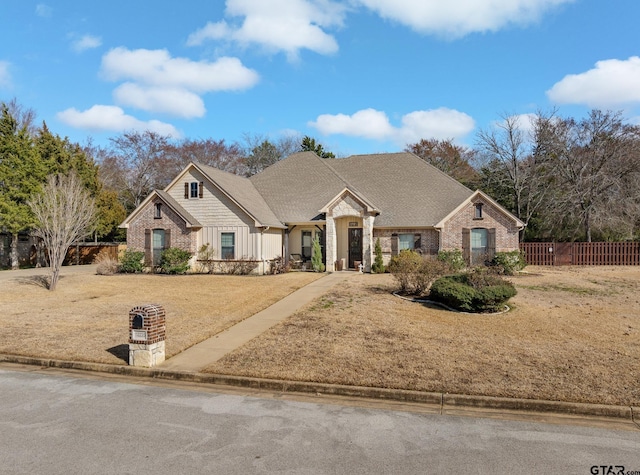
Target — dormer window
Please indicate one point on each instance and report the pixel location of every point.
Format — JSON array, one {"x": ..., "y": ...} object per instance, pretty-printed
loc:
[{"x": 478, "y": 211}]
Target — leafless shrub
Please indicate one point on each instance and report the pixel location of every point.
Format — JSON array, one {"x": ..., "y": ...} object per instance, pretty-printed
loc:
[{"x": 107, "y": 265}]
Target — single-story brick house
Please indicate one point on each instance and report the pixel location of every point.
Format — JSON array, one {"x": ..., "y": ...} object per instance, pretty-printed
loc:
[{"x": 348, "y": 203}]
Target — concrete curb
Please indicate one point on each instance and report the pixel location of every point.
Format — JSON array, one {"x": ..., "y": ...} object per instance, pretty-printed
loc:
[{"x": 442, "y": 400}]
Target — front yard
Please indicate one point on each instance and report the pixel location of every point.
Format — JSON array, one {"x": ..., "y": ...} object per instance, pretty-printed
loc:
[
  {"x": 573, "y": 333},
  {"x": 87, "y": 317}
]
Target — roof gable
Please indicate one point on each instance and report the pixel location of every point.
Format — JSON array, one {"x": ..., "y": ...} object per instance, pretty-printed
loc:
[
  {"x": 168, "y": 200},
  {"x": 236, "y": 188},
  {"x": 485, "y": 198}
]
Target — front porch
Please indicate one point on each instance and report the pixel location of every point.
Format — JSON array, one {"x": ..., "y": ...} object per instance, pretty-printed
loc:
[{"x": 345, "y": 235}]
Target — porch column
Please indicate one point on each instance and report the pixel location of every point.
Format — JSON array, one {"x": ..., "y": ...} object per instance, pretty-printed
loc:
[
  {"x": 367, "y": 242},
  {"x": 331, "y": 245}
]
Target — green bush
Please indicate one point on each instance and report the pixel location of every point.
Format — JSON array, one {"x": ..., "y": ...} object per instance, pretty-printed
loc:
[
  {"x": 415, "y": 273},
  {"x": 476, "y": 291},
  {"x": 509, "y": 263},
  {"x": 131, "y": 261},
  {"x": 454, "y": 259},
  {"x": 452, "y": 291},
  {"x": 378, "y": 264},
  {"x": 174, "y": 261}
]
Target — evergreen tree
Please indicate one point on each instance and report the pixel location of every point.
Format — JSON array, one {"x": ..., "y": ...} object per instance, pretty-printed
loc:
[
  {"x": 316, "y": 255},
  {"x": 309, "y": 145},
  {"x": 378, "y": 264},
  {"x": 21, "y": 175}
]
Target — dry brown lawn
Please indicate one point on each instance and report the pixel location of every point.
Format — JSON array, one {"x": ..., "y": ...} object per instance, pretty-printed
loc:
[
  {"x": 573, "y": 335},
  {"x": 87, "y": 317}
]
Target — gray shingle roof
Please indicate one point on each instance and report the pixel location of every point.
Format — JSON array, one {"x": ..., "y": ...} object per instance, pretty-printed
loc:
[
  {"x": 404, "y": 188},
  {"x": 184, "y": 214},
  {"x": 297, "y": 187},
  {"x": 242, "y": 190}
]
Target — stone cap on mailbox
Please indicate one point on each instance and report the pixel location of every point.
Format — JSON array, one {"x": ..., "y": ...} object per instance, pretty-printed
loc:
[{"x": 147, "y": 324}]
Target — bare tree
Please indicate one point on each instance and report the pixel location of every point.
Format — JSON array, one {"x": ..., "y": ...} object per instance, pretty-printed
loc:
[
  {"x": 65, "y": 212},
  {"x": 595, "y": 164},
  {"x": 137, "y": 163},
  {"x": 25, "y": 116},
  {"x": 446, "y": 156},
  {"x": 511, "y": 162},
  {"x": 215, "y": 153}
]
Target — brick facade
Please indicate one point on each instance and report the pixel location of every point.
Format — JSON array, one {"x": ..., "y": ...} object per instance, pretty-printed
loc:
[
  {"x": 507, "y": 235},
  {"x": 181, "y": 236},
  {"x": 429, "y": 239}
]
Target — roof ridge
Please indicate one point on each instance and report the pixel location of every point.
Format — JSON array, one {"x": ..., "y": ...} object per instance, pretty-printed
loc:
[{"x": 349, "y": 186}]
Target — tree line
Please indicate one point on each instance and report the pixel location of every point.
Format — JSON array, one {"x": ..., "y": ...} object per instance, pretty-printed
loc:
[{"x": 567, "y": 179}]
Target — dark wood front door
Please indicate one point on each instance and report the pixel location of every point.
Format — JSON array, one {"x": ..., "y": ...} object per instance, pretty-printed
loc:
[{"x": 355, "y": 246}]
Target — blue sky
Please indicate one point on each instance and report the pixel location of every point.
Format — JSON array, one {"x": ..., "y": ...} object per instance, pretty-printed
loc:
[{"x": 362, "y": 76}]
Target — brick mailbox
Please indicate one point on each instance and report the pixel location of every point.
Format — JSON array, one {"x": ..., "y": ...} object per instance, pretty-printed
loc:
[{"x": 147, "y": 331}]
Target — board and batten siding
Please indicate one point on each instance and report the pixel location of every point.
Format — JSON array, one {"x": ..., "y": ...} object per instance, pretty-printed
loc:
[
  {"x": 272, "y": 243},
  {"x": 250, "y": 242}
]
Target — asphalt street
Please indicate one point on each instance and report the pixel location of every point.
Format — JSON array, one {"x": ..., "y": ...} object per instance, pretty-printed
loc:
[{"x": 52, "y": 423}]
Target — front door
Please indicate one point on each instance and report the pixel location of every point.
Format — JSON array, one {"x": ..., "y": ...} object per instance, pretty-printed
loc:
[
  {"x": 355, "y": 246},
  {"x": 158, "y": 245}
]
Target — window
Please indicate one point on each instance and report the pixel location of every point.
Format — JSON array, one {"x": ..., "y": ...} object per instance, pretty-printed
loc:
[
  {"x": 408, "y": 241},
  {"x": 159, "y": 245},
  {"x": 478, "y": 211},
  {"x": 228, "y": 245},
  {"x": 194, "y": 189},
  {"x": 158, "y": 213},
  {"x": 306, "y": 245}
]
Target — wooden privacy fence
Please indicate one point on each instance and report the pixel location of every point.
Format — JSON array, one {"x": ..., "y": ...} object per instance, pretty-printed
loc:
[
  {"x": 86, "y": 252},
  {"x": 581, "y": 253}
]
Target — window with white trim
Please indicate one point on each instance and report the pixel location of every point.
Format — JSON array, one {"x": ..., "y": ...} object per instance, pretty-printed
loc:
[
  {"x": 228, "y": 245},
  {"x": 193, "y": 187}
]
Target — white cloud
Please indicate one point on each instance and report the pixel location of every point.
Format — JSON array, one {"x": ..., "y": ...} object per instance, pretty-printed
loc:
[
  {"x": 174, "y": 101},
  {"x": 158, "y": 68},
  {"x": 278, "y": 25},
  {"x": 367, "y": 123},
  {"x": 611, "y": 83},
  {"x": 86, "y": 42},
  {"x": 44, "y": 11},
  {"x": 458, "y": 18},
  {"x": 112, "y": 119},
  {"x": 439, "y": 123},
  {"x": 157, "y": 82},
  {"x": 5, "y": 75}
]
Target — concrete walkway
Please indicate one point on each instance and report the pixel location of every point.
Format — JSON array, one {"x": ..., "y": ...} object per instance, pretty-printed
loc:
[{"x": 209, "y": 351}]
